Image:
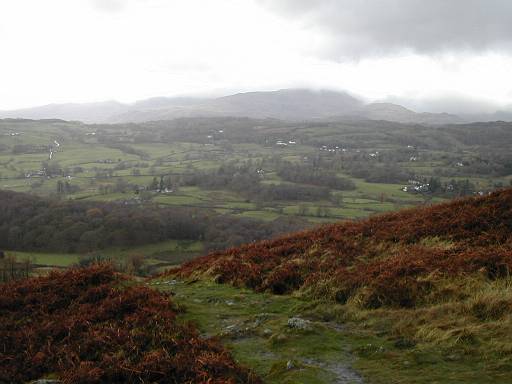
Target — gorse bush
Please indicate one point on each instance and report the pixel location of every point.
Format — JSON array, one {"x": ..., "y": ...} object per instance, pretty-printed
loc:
[{"x": 94, "y": 326}]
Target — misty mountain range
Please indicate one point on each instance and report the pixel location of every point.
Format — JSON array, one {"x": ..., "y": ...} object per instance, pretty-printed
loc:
[{"x": 285, "y": 104}]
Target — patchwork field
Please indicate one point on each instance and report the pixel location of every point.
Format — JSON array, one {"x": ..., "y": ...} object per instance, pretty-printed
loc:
[{"x": 283, "y": 175}]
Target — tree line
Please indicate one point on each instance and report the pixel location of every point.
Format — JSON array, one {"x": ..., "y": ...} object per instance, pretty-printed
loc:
[{"x": 31, "y": 223}]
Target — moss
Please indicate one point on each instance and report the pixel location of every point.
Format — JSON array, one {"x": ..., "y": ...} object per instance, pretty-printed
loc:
[
  {"x": 442, "y": 343},
  {"x": 254, "y": 327}
]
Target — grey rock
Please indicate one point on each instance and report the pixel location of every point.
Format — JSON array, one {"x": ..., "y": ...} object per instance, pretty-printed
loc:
[{"x": 298, "y": 323}]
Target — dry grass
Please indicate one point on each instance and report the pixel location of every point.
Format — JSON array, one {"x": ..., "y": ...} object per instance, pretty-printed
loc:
[{"x": 429, "y": 279}]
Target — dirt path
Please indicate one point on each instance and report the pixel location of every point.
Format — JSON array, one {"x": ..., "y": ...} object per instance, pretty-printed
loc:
[{"x": 267, "y": 333}]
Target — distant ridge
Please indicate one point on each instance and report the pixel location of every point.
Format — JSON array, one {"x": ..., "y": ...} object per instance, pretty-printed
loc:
[
  {"x": 400, "y": 114},
  {"x": 284, "y": 104},
  {"x": 86, "y": 112},
  {"x": 289, "y": 104}
]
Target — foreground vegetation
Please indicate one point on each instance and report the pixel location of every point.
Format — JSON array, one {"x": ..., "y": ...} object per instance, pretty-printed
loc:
[
  {"x": 431, "y": 284},
  {"x": 94, "y": 326}
]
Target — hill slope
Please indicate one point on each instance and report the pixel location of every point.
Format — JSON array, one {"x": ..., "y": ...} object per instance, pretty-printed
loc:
[
  {"x": 397, "y": 113},
  {"x": 288, "y": 104},
  {"x": 387, "y": 254},
  {"x": 86, "y": 112},
  {"x": 433, "y": 284}
]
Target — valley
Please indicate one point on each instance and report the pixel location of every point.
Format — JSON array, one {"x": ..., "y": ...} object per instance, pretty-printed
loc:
[
  {"x": 268, "y": 175},
  {"x": 339, "y": 302},
  {"x": 255, "y": 192}
]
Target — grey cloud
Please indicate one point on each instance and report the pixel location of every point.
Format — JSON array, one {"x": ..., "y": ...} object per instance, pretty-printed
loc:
[{"x": 375, "y": 27}]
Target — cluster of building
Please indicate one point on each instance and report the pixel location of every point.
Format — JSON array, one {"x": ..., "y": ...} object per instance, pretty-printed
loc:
[
  {"x": 416, "y": 186},
  {"x": 220, "y": 131},
  {"x": 332, "y": 149},
  {"x": 40, "y": 173},
  {"x": 283, "y": 143}
]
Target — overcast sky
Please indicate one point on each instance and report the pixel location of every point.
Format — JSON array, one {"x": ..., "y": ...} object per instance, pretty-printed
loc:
[{"x": 450, "y": 55}]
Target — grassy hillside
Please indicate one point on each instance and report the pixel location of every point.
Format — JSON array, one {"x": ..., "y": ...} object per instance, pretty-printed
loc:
[
  {"x": 431, "y": 284},
  {"x": 94, "y": 326}
]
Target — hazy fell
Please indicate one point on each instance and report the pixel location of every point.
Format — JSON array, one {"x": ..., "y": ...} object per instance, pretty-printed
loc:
[{"x": 285, "y": 104}]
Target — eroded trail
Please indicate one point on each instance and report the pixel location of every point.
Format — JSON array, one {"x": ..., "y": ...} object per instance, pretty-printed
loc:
[{"x": 268, "y": 333}]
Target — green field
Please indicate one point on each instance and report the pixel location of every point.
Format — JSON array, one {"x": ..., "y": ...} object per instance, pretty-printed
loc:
[
  {"x": 122, "y": 163},
  {"x": 157, "y": 256},
  {"x": 86, "y": 160},
  {"x": 47, "y": 259}
]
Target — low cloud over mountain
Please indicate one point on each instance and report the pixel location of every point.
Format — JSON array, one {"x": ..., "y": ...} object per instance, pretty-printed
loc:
[{"x": 285, "y": 104}]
